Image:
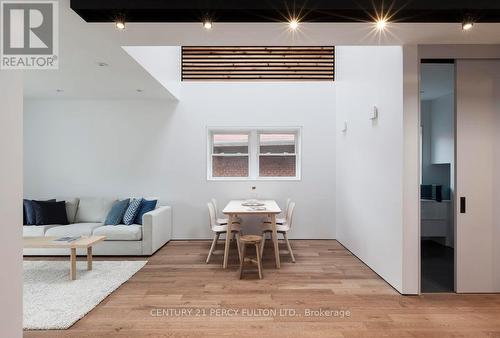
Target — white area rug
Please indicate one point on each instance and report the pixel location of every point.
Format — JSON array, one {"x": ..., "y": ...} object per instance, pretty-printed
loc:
[{"x": 52, "y": 301}]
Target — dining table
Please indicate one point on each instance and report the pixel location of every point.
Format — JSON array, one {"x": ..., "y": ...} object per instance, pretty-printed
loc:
[{"x": 267, "y": 208}]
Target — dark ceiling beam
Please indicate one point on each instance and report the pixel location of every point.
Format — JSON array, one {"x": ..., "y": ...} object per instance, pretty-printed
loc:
[{"x": 281, "y": 10}]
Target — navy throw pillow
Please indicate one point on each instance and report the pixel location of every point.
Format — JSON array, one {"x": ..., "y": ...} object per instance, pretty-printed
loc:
[
  {"x": 132, "y": 210},
  {"x": 50, "y": 212},
  {"x": 29, "y": 212},
  {"x": 115, "y": 215},
  {"x": 24, "y": 214},
  {"x": 146, "y": 206}
]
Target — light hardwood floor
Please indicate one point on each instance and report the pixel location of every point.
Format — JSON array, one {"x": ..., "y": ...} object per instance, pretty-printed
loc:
[{"x": 325, "y": 276}]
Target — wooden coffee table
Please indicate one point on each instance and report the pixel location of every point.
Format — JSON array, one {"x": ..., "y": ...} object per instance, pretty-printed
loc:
[{"x": 83, "y": 242}]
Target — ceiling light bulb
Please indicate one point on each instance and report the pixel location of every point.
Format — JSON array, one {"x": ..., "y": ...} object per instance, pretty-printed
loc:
[
  {"x": 120, "y": 25},
  {"x": 207, "y": 24},
  {"x": 467, "y": 25},
  {"x": 294, "y": 24},
  {"x": 381, "y": 24}
]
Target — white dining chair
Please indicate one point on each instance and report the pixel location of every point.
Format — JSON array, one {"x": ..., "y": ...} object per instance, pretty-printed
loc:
[
  {"x": 282, "y": 228},
  {"x": 280, "y": 220},
  {"x": 219, "y": 229},
  {"x": 222, "y": 220}
]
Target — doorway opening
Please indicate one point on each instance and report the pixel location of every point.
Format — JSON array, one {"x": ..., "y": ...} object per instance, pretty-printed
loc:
[{"x": 437, "y": 137}]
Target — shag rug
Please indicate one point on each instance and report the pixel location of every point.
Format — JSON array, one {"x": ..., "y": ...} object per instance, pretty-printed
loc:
[{"x": 52, "y": 301}]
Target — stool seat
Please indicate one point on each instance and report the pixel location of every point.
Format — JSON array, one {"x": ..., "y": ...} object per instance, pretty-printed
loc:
[{"x": 251, "y": 239}]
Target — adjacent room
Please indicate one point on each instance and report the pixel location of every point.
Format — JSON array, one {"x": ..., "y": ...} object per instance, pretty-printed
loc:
[{"x": 236, "y": 174}]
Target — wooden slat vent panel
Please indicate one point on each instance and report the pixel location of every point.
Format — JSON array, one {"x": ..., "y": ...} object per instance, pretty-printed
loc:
[{"x": 258, "y": 63}]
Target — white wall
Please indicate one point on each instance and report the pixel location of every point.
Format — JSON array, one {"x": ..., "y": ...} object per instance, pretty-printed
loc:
[
  {"x": 496, "y": 179},
  {"x": 11, "y": 104},
  {"x": 369, "y": 191},
  {"x": 162, "y": 62},
  {"x": 411, "y": 170},
  {"x": 121, "y": 148}
]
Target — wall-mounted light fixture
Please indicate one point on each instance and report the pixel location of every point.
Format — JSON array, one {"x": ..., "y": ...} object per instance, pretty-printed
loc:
[
  {"x": 344, "y": 127},
  {"x": 374, "y": 113}
]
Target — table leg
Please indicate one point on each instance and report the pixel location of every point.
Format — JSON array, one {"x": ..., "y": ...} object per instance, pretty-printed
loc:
[
  {"x": 89, "y": 258},
  {"x": 228, "y": 239},
  {"x": 72, "y": 267},
  {"x": 275, "y": 241}
]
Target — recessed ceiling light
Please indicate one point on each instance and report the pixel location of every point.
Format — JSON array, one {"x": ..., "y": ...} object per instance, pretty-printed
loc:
[
  {"x": 293, "y": 24},
  {"x": 59, "y": 90},
  {"x": 120, "y": 24},
  {"x": 381, "y": 23},
  {"x": 139, "y": 90},
  {"x": 467, "y": 25},
  {"x": 102, "y": 64},
  {"x": 207, "y": 24}
]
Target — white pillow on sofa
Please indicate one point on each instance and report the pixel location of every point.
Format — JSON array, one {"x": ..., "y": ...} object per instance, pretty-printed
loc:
[{"x": 93, "y": 209}]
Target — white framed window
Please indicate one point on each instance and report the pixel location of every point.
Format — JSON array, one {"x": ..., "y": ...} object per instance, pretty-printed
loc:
[{"x": 264, "y": 153}]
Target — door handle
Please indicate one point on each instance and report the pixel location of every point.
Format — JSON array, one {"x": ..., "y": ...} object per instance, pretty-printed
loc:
[{"x": 463, "y": 205}]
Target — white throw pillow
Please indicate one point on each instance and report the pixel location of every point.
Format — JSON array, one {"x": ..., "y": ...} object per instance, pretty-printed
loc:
[
  {"x": 71, "y": 207},
  {"x": 93, "y": 209}
]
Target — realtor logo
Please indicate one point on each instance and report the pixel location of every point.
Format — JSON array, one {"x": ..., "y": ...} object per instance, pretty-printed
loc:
[{"x": 29, "y": 38}]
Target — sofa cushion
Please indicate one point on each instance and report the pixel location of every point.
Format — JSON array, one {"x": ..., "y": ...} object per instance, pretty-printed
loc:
[
  {"x": 115, "y": 215},
  {"x": 146, "y": 206},
  {"x": 120, "y": 232},
  {"x": 29, "y": 213},
  {"x": 75, "y": 229},
  {"x": 50, "y": 212},
  {"x": 71, "y": 207},
  {"x": 132, "y": 210},
  {"x": 37, "y": 230},
  {"x": 93, "y": 210}
]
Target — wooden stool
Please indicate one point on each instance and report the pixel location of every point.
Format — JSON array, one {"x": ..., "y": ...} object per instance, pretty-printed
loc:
[{"x": 254, "y": 240}]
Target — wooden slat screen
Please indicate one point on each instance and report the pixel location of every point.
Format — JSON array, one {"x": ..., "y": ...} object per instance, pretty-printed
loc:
[{"x": 258, "y": 63}]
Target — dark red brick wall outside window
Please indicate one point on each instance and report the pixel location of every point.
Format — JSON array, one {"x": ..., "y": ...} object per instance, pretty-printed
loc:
[
  {"x": 230, "y": 166},
  {"x": 269, "y": 166}
]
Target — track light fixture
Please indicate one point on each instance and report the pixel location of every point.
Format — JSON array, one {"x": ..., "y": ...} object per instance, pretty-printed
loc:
[
  {"x": 467, "y": 25},
  {"x": 293, "y": 24},
  {"x": 381, "y": 23},
  {"x": 207, "y": 24},
  {"x": 120, "y": 24}
]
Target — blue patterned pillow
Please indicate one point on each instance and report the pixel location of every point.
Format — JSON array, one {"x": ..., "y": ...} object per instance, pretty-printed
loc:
[
  {"x": 146, "y": 206},
  {"x": 132, "y": 210}
]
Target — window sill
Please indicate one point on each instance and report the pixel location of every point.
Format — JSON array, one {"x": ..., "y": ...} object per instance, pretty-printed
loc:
[{"x": 246, "y": 179}]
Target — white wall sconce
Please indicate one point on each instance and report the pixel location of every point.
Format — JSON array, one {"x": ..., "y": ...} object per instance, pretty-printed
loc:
[
  {"x": 344, "y": 127},
  {"x": 374, "y": 113}
]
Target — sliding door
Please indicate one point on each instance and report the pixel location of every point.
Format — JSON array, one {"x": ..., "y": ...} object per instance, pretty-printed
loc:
[{"x": 478, "y": 176}]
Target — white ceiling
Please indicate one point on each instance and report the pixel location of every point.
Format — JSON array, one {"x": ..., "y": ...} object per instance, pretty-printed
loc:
[
  {"x": 82, "y": 45},
  {"x": 436, "y": 80}
]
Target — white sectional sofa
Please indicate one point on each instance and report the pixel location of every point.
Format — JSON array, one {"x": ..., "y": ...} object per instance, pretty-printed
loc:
[{"x": 86, "y": 217}]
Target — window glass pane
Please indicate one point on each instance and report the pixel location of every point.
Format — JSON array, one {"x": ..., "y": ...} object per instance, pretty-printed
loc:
[
  {"x": 230, "y": 166},
  {"x": 277, "y": 143},
  {"x": 277, "y": 166},
  {"x": 230, "y": 144}
]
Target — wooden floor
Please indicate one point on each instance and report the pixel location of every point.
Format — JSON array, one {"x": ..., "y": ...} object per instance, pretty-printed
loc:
[{"x": 326, "y": 276}]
